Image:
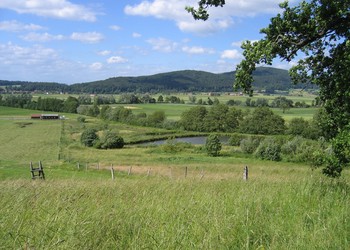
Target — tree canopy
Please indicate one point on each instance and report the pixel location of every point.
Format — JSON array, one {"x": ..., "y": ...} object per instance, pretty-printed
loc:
[{"x": 314, "y": 33}]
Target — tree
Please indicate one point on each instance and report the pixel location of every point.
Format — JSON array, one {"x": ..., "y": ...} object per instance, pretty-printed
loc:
[
  {"x": 112, "y": 140},
  {"x": 213, "y": 145},
  {"x": 192, "y": 119},
  {"x": 282, "y": 102},
  {"x": 160, "y": 99},
  {"x": 156, "y": 118},
  {"x": 319, "y": 31},
  {"x": 263, "y": 121},
  {"x": 70, "y": 105},
  {"x": 89, "y": 137},
  {"x": 221, "y": 118}
]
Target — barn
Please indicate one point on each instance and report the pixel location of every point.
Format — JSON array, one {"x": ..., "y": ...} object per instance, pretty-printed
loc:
[{"x": 45, "y": 116}]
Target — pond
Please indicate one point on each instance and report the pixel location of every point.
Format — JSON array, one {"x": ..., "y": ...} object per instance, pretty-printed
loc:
[{"x": 197, "y": 140}]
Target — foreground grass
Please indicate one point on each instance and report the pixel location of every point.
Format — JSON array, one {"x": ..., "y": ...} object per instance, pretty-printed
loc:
[{"x": 159, "y": 213}]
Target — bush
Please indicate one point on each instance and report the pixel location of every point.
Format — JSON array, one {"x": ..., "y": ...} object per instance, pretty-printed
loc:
[
  {"x": 300, "y": 149},
  {"x": 249, "y": 145},
  {"x": 289, "y": 148},
  {"x": 81, "y": 119},
  {"x": 111, "y": 140},
  {"x": 173, "y": 146},
  {"x": 89, "y": 137},
  {"x": 269, "y": 149},
  {"x": 235, "y": 139},
  {"x": 213, "y": 145}
]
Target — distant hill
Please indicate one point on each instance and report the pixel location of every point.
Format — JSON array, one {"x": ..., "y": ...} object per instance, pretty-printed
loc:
[{"x": 177, "y": 81}]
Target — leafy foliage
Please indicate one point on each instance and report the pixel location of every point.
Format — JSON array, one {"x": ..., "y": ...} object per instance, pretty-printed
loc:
[
  {"x": 269, "y": 149},
  {"x": 89, "y": 137},
  {"x": 249, "y": 145},
  {"x": 263, "y": 121},
  {"x": 213, "y": 145},
  {"x": 111, "y": 140}
]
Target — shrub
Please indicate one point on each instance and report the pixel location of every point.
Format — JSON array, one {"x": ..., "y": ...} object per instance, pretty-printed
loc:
[
  {"x": 89, "y": 137},
  {"x": 269, "y": 149},
  {"x": 235, "y": 140},
  {"x": 249, "y": 145},
  {"x": 111, "y": 140},
  {"x": 173, "y": 146},
  {"x": 81, "y": 119},
  {"x": 213, "y": 145},
  {"x": 289, "y": 148}
]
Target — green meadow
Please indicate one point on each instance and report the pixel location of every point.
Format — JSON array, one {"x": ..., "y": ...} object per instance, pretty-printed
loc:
[{"x": 160, "y": 198}]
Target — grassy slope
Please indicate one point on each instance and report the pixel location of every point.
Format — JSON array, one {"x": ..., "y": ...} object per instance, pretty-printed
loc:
[
  {"x": 156, "y": 213},
  {"x": 282, "y": 206}
]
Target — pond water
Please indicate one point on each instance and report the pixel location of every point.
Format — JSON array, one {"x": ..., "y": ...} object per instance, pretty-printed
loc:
[{"x": 197, "y": 140}]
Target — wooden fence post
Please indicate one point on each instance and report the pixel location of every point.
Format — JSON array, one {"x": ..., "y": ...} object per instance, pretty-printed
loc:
[
  {"x": 186, "y": 172},
  {"x": 202, "y": 174},
  {"x": 98, "y": 166},
  {"x": 86, "y": 166},
  {"x": 112, "y": 172},
  {"x": 129, "y": 171},
  {"x": 245, "y": 173},
  {"x": 78, "y": 165},
  {"x": 149, "y": 172}
]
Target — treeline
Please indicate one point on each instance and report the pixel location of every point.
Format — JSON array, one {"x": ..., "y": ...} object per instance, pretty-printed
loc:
[
  {"x": 26, "y": 101},
  {"x": 262, "y": 120}
]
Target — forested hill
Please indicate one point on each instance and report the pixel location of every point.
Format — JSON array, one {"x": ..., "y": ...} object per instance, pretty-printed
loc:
[{"x": 177, "y": 81}]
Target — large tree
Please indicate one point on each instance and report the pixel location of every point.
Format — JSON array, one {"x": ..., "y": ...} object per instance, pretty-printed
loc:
[{"x": 316, "y": 33}]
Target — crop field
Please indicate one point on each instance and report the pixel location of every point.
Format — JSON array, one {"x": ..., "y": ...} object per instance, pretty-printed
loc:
[{"x": 160, "y": 198}]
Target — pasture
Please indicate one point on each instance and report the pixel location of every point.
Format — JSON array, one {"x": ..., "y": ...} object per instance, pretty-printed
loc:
[{"x": 153, "y": 202}]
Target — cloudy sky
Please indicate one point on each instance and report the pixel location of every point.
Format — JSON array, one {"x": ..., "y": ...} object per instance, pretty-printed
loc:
[{"x": 71, "y": 41}]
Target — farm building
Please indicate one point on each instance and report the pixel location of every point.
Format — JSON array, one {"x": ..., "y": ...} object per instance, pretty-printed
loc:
[
  {"x": 35, "y": 116},
  {"x": 45, "y": 116}
]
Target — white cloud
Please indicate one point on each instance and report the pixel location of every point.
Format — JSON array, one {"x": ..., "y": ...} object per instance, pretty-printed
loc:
[
  {"x": 162, "y": 44},
  {"x": 136, "y": 35},
  {"x": 114, "y": 27},
  {"x": 41, "y": 37},
  {"x": 18, "y": 58},
  {"x": 15, "y": 26},
  {"x": 231, "y": 54},
  {"x": 237, "y": 44},
  {"x": 104, "y": 52},
  {"x": 116, "y": 59},
  {"x": 40, "y": 63},
  {"x": 61, "y": 9},
  {"x": 88, "y": 37},
  {"x": 220, "y": 18},
  {"x": 197, "y": 50},
  {"x": 96, "y": 66},
  {"x": 18, "y": 54}
]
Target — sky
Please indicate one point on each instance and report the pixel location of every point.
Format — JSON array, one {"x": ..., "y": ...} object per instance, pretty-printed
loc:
[{"x": 73, "y": 41}]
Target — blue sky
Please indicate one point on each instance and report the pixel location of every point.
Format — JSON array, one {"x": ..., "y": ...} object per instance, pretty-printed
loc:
[{"x": 72, "y": 41}]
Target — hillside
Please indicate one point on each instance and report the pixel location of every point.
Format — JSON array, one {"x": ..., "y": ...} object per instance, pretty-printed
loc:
[{"x": 177, "y": 81}]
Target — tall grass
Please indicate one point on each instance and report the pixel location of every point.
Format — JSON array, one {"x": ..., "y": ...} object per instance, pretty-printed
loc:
[{"x": 159, "y": 213}]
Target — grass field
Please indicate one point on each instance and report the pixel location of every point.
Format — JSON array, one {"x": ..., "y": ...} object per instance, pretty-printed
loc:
[
  {"x": 159, "y": 205},
  {"x": 174, "y": 111}
]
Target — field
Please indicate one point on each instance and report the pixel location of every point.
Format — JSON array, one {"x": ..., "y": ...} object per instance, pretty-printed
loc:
[{"x": 159, "y": 199}]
